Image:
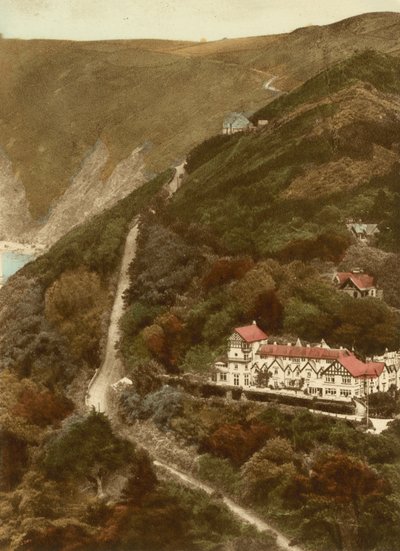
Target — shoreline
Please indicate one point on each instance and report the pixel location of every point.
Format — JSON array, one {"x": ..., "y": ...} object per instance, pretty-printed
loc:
[{"x": 21, "y": 248}]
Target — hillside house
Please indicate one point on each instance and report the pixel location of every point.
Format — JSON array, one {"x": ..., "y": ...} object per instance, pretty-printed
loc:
[
  {"x": 357, "y": 284},
  {"x": 236, "y": 122},
  {"x": 390, "y": 377},
  {"x": 241, "y": 354},
  {"x": 320, "y": 371},
  {"x": 365, "y": 233}
]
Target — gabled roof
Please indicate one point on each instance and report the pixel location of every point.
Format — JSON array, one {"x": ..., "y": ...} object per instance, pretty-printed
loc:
[
  {"x": 366, "y": 229},
  {"x": 251, "y": 333},
  {"x": 357, "y": 368},
  {"x": 348, "y": 360},
  {"x": 309, "y": 352},
  {"x": 363, "y": 282},
  {"x": 236, "y": 120}
]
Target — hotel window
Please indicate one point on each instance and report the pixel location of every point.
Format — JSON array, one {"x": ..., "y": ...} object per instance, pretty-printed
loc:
[
  {"x": 246, "y": 380},
  {"x": 236, "y": 380},
  {"x": 236, "y": 366},
  {"x": 330, "y": 391},
  {"x": 345, "y": 392},
  {"x": 309, "y": 374},
  {"x": 296, "y": 360},
  {"x": 222, "y": 376},
  {"x": 330, "y": 379},
  {"x": 276, "y": 371},
  {"x": 346, "y": 380}
]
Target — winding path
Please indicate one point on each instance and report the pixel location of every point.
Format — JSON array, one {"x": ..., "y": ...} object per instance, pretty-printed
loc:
[
  {"x": 239, "y": 511},
  {"x": 111, "y": 371}
]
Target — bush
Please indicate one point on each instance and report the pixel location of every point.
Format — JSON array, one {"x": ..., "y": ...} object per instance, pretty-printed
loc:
[{"x": 218, "y": 472}]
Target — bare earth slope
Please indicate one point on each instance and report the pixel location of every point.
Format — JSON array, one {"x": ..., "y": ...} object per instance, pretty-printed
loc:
[{"x": 59, "y": 98}]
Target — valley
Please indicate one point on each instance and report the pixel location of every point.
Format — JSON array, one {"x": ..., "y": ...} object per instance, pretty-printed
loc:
[{"x": 203, "y": 354}]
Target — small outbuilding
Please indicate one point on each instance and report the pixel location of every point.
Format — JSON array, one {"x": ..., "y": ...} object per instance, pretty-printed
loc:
[{"x": 236, "y": 122}]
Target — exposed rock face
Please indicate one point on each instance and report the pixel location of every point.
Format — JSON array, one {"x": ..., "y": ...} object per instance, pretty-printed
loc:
[
  {"x": 14, "y": 211},
  {"x": 90, "y": 193}
]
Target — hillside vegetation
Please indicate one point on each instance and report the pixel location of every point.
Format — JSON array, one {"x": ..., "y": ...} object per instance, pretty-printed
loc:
[
  {"x": 255, "y": 232},
  {"x": 59, "y": 98}
]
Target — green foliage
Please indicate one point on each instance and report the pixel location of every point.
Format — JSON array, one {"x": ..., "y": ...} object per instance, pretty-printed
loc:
[
  {"x": 381, "y": 70},
  {"x": 218, "y": 472},
  {"x": 161, "y": 405},
  {"x": 75, "y": 303},
  {"x": 164, "y": 267},
  {"x": 199, "y": 359},
  {"x": 97, "y": 244},
  {"x": 85, "y": 447},
  {"x": 384, "y": 404}
]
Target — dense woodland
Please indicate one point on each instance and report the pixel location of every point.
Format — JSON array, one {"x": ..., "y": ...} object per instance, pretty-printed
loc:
[{"x": 242, "y": 240}]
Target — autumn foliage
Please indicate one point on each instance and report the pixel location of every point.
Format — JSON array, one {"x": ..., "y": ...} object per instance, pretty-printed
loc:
[
  {"x": 237, "y": 442},
  {"x": 224, "y": 270},
  {"x": 42, "y": 408}
]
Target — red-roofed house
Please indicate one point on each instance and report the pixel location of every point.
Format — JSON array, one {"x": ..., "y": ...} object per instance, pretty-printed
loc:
[
  {"x": 330, "y": 373},
  {"x": 242, "y": 347},
  {"x": 357, "y": 284}
]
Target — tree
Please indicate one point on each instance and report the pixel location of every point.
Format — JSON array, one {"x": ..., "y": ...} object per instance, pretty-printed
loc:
[
  {"x": 75, "y": 304},
  {"x": 341, "y": 487},
  {"x": 86, "y": 447},
  {"x": 256, "y": 283},
  {"x": 226, "y": 269},
  {"x": 13, "y": 459},
  {"x": 268, "y": 468},
  {"x": 42, "y": 408},
  {"x": 146, "y": 376},
  {"x": 237, "y": 442},
  {"x": 141, "y": 479}
]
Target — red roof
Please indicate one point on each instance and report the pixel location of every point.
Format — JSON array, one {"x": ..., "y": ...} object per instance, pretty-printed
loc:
[
  {"x": 354, "y": 366},
  {"x": 251, "y": 333},
  {"x": 361, "y": 281},
  {"x": 309, "y": 352},
  {"x": 357, "y": 368}
]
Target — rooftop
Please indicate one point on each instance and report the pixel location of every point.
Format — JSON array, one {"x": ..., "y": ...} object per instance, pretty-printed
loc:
[
  {"x": 309, "y": 352},
  {"x": 361, "y": 281},
  {"x": 251, "y": 333}
]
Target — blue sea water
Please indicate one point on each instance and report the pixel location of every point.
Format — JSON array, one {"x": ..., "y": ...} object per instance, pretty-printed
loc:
[{"x": 12, "y": 262}]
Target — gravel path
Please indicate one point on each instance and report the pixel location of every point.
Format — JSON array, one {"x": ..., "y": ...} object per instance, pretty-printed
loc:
[
  {"x": 239, "y": 511},
  {"x": 111, "y": 370}
]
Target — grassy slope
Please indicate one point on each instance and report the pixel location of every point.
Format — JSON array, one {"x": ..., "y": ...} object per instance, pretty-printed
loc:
[
  {"x": 61, "y": 97},
  {"x": 243, "y": 190},
  {"x": 58, "y": 98}
]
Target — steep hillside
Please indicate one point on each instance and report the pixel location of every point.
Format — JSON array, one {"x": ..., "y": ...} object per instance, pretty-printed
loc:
[
  {"x": 59, "y": 98},
  {"x": 255, "y": 228},
  {"x": 263, "y": 215}
]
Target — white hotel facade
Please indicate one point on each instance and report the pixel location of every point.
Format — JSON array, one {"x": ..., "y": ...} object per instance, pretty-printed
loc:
[{"x": 336, "y": 374}]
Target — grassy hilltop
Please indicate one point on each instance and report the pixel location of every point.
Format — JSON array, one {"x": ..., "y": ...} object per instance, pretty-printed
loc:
[{"x": 57, "y": 98}]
